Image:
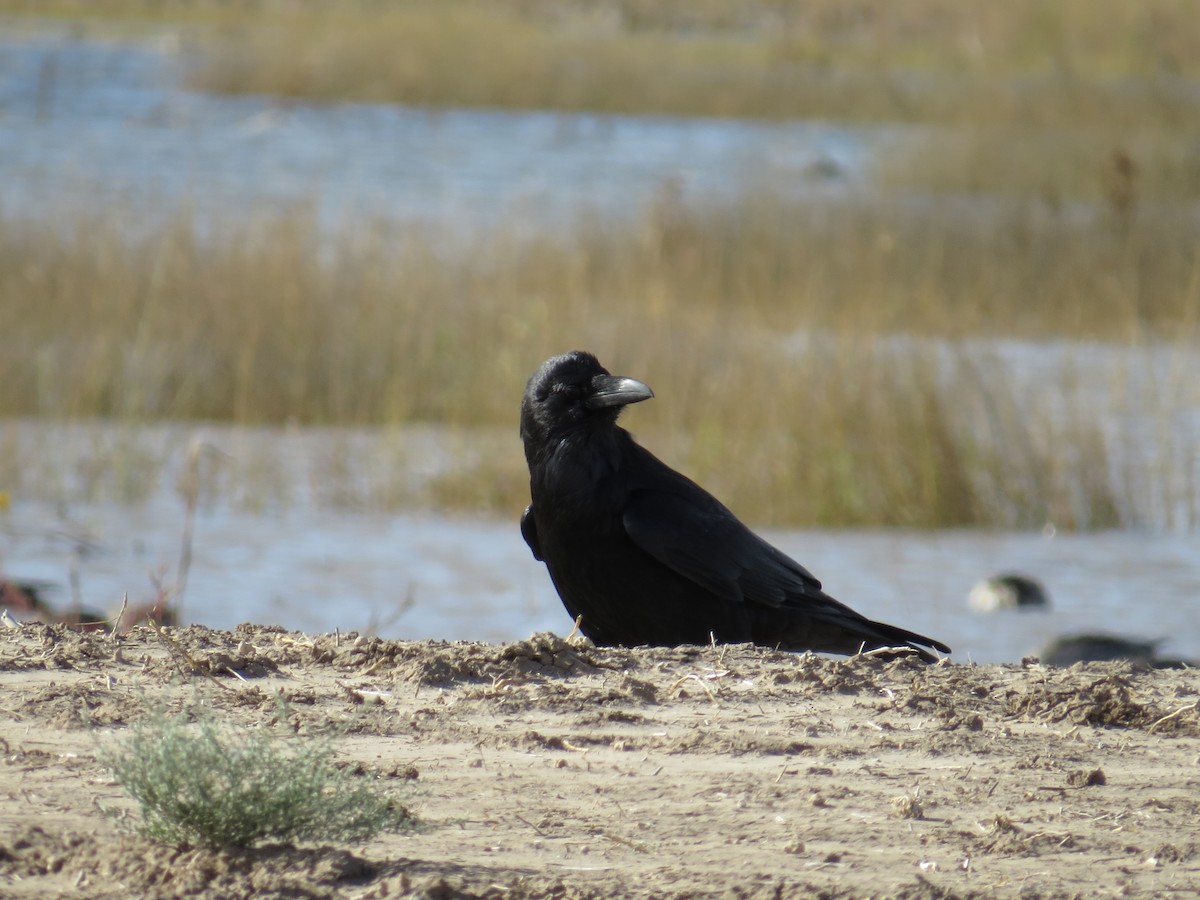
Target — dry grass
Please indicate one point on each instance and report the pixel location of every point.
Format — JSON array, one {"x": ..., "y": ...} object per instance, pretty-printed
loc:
[
  {"x": 767, "y": 331},
  {"x": 1076, "y": 62},
  {"x": 261, "y": 321},
  {"x": 1114, "y": 168}
]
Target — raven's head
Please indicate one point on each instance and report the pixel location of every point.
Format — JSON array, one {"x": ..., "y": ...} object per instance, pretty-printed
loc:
[{"x": 572, "y": 392}]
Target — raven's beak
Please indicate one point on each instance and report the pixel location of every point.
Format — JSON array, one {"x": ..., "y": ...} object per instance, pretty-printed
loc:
[{"x": 613, "y": 390}]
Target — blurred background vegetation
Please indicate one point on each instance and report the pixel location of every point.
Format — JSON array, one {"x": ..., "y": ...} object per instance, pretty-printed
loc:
[{"x": 1077, "y": 121}]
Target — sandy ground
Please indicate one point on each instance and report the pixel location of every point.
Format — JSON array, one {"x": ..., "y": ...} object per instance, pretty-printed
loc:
[{"x": 553, "y": 769}]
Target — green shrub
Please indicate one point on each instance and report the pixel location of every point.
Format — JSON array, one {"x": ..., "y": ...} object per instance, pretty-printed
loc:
[{"x": 205, "y": 783}]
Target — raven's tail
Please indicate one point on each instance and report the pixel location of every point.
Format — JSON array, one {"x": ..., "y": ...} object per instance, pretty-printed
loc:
[{"x": 878, "y": 635}]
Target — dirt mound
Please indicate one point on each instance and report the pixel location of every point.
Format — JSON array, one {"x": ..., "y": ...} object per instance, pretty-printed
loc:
[{"x": 148, "y": 870}]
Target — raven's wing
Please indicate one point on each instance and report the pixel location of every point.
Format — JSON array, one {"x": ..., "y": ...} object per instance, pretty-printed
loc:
[
  {"x": 530, "y": 533},
  {"x": 687, "y": 529},
  {"x": 692, "y": 532}
]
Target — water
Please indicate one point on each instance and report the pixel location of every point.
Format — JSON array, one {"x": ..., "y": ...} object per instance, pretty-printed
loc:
[
  {"x": 298, "y": 557},
  {"x": 426, "y": 576},
  {"x": 86, "y": 123}
]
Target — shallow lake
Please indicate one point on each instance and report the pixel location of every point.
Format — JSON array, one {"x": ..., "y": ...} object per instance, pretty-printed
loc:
[
  {"x": 425, "y": 576},
  {"x": 88, "y": 122}
]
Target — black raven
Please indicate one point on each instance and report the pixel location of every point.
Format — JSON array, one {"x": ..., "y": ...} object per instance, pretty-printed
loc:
[{"x": 642, "y": 555}]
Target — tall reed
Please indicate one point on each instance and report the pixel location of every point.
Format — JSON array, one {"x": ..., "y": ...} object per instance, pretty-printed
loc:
[
  {"x": 261, "y": 321},
  {"x": 767, "y": 329}
]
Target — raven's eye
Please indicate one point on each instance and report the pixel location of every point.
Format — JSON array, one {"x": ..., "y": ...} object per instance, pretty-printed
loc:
[{"x": 571, "y": 392}]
